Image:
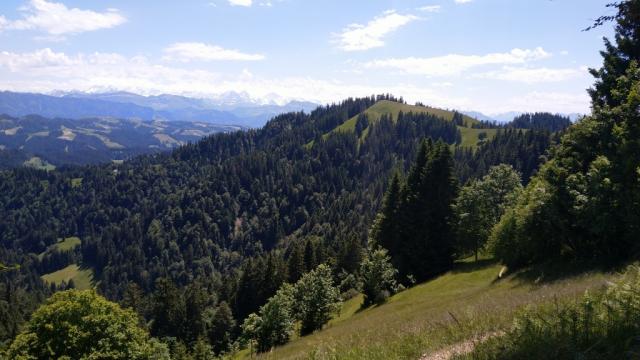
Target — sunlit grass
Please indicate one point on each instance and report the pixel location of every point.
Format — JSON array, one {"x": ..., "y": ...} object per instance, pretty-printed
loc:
[
  {"x": 82, "y": 278},
  {"x": 468, "y": 301}
]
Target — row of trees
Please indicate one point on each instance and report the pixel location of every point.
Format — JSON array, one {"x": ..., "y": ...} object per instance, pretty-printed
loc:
[{"x": 583, "y": 205}]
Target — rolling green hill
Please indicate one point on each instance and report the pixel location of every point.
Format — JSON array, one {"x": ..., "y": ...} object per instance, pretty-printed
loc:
[
  {"x": 470, "y": 136},
  {"x": 466, "y": 303}
]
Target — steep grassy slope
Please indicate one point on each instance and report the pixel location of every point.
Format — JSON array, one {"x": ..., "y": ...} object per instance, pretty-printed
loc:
[
  {"x": 459, "y": 305},
  {"x": 470, "y": 136}
]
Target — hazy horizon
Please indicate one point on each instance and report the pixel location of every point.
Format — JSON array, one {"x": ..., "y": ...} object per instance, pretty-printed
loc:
[{"x": 491, "y": 56}]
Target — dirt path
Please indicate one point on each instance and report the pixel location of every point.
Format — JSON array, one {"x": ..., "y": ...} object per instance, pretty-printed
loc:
[{"x": 460, "y": 348}]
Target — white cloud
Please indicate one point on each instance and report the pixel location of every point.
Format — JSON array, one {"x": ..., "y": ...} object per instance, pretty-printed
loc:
[
  {"x": 240, "y": 2},
  {"x": 46, "y": 70},
  {"x": 554, "y": 102},
  {"x": 57, "y": 20},
  {"x": 463, "y": 1},
  {"x": 430, "y": 8},
  {"x": 195, "y": 51},
  {"x": 454, "y": 64},
  {"x": 357, "y": 37},
  {"x": 534, "y": 75}
]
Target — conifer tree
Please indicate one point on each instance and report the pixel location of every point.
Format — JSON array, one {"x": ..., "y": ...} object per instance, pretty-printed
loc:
[
  {"x": 295, "y": 264},
  {"x": 385, "y": 230}
]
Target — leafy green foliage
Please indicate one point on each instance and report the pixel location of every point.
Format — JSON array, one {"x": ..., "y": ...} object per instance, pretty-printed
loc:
[
  {"x": 316, "y": 299},
  {"x": 275, "y": 324},
  {"x": 481, "y": 203},
  {"x": 82, "y": 325},
  {"x": 312, "y": 301},
  {"x": 583, "y": 204},
  {"x": 378, "y": 277}
]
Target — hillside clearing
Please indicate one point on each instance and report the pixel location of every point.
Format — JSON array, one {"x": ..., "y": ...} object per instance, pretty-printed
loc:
[
  {"x": 38, "y": 163},
  {"x": 82, "y": 278},
  {"x": 470, "y": 136},
  {"x": 460, "y": 305},
  {"x": 66, "y": 244}
]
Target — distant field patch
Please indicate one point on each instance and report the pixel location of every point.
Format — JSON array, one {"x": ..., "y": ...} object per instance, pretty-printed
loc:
[
  {"x": 471, "y": 137},
  {"x": 76, "y": 182},
  {"x": 166, "y": 140},
  {"x": 12, "y": 131},
  {"x": 37, "y": 134},
  {"x": 82, "y": 278},
  {"x": 38, "y": 163},
  {"x": 67, "y": 134}
]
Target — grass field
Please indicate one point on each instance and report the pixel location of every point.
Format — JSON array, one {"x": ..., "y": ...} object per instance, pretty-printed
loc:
[
  {"x": 471, "y": 137},
  {"x": 459, "y": 305},
  {"x": 76, "y": 182},
  {"x": 82, "y": 278},
  {"x": 38, "y": 163}
]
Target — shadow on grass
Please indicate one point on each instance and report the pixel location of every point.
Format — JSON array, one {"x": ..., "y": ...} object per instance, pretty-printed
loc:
[
  {"x": 462, "y": 267},
  {"x": 553, "y": 271}
]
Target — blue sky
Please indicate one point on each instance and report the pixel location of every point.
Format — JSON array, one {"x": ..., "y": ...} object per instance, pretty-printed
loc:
[{"x": 487, "y": 55}]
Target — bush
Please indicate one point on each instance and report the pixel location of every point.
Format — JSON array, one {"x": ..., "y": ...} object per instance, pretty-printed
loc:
[
  {"x": 378, "y": 277},
  {"x": 315, "y": 299}
]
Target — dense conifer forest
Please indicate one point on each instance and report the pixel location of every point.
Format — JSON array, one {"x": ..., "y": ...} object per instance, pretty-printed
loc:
[{"x": 231, "y": 218}]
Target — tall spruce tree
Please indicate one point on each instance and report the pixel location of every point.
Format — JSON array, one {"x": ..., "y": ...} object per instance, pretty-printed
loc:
[
  {"x": 385, "y": 229},
  {"x": 415, "y": 221}
]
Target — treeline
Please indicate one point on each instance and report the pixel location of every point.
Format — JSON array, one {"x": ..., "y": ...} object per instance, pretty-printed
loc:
[
  {"x": 524, "y": 150},
  {"x": 540, "y": 121}
]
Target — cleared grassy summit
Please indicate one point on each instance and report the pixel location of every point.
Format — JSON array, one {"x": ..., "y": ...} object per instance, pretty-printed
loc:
[
  {"x": 470, "y": 136},
  {"x": 387, "y": 107},
  {"x": 465, "y": 303}
]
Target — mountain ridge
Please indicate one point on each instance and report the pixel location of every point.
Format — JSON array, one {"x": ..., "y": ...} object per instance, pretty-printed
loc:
[{"x": 127, "y": 105}]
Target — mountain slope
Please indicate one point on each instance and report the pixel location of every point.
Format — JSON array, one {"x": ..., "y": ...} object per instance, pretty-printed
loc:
[
  {"x": 93, "y": 140},
  {"x": 126, "y": 105},
  {"x": 466, "y": 303}
]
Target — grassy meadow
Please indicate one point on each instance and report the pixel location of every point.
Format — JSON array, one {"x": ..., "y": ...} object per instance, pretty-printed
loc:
[
  {"x": 465, "y": 303},
  {"x": 82, "y": 278}
]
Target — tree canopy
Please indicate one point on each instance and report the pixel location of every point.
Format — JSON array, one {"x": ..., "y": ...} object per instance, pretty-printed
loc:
[{"x": 83, "y": 325}]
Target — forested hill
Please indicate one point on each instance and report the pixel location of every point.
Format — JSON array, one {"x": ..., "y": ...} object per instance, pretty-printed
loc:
[{"x": 235, "y": 214}]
